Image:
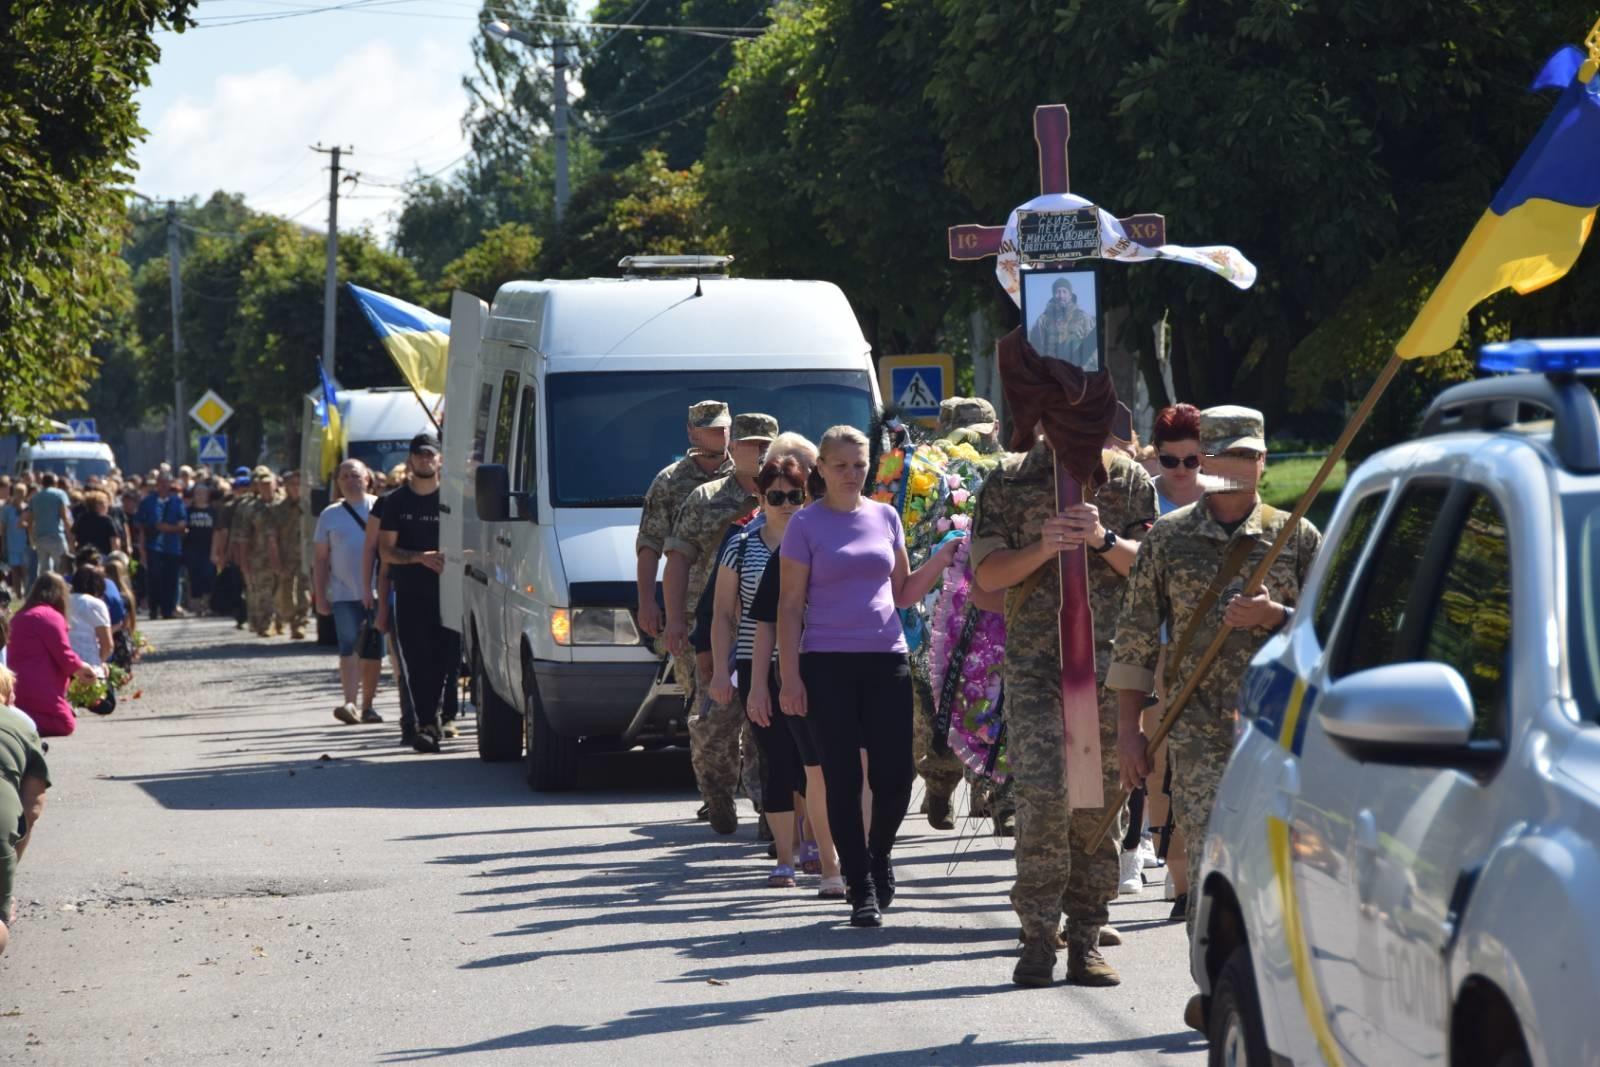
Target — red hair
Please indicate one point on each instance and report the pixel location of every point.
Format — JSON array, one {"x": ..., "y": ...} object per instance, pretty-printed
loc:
[
  {"x": 785, "y": 467},
  {"x": 1177, "y": 422}
]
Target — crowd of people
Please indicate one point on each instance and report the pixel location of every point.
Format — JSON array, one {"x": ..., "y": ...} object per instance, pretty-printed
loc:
[{"x": 789, "y": 595}]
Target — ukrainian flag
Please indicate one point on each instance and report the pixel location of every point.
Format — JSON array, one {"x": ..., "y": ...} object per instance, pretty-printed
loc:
[
  {"x": 332, "y": 426},
  {"x": 416, "y": 339},
  {"x": 1538, "y": 221}
]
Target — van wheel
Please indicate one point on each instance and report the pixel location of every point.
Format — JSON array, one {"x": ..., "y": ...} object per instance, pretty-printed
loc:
[
  {"x": 499, "y": 724},
  {"x": 1236, "y": 1035},
  {"x": 552, "y": 760}
]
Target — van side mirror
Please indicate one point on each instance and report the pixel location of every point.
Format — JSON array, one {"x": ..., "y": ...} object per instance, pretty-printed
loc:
[
  {"x": 1399, "y": 713},
  {"x": 491, "y": 488}
]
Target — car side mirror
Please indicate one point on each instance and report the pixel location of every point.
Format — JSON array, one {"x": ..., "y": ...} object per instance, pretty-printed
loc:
[
  {"x": 491, "y": 490},
  {"x": 1399, "y": 713}
]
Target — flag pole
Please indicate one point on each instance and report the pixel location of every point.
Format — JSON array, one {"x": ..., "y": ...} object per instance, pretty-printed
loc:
[{"x": 1253, "y": 586}]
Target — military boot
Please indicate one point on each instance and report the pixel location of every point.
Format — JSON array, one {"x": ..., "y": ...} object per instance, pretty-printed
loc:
[
  {"x": 1085, "y": 966},
  {"x": 938, "y": 812},
  {"x": 722, "y": 814},
  {"x": 1037, "y": 967}
]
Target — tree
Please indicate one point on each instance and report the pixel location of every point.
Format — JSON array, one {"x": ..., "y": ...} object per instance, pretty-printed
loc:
[
  {"x": 68, "y": 123},
  {"x": 1346, "y": 147},
  {"x": 645, "y": 90},
  {"x": 646, "y": 208},
  {"x": 505, "y": 254}
]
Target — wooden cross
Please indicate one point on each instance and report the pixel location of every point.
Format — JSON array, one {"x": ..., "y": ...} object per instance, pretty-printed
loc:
[{"x": 1080, "y": 705}]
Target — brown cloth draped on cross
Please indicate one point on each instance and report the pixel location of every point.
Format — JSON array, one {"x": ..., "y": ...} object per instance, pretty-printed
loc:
[{"x": 1076, "y": 409}]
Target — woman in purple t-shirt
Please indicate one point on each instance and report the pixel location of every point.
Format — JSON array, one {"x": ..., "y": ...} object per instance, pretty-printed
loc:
[{"x": 842, "y": 658}]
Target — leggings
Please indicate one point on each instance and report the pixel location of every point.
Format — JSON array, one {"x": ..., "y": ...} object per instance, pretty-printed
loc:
[
  {"x": 855, "y": 701},
  {"x": 785, "y": 772}
]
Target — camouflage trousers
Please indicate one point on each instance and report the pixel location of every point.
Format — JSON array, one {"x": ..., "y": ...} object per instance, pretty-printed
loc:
[
  {"x": 261, "y": 592},
  {"x": 941, "y": 772},
  {"x": 1197, "y": 750},
  {"x": 715, "y": 735},
  {"x": 291, "y": 599},
  {"x": 1056, "y": 872}
]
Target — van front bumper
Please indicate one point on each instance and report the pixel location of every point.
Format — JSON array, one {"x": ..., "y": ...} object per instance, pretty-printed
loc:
[{"x": 593, "y": 699}]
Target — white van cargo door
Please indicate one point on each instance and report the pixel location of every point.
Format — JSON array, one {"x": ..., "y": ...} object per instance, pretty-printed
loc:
[{"x": 468, "y": 315}]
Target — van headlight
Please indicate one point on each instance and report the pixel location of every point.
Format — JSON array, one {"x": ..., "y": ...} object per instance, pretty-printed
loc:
[{"x": 593, "y": 626}]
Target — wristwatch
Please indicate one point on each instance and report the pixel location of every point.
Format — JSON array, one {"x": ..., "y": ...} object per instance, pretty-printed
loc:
[{"x": 1105, "y": 546}]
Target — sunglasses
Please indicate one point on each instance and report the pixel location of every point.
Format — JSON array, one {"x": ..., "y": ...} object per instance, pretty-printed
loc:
[
  {"x": 1173, "y": 462},
  {"x": 778, "y": 497}
]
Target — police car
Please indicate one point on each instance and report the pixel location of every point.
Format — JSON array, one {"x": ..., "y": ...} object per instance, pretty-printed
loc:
[{"x": 1403, "y": 863}]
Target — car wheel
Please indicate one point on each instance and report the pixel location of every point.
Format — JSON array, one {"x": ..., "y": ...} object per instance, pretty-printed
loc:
[
  {"x": 552, "y": 759},
  {"x": 499, "y": 723},
  {"x": 1236, "y": 1034}
]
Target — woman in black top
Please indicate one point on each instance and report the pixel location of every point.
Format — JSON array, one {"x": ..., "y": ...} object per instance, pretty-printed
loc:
[
  {"x": 197, "y": 548},
  {"x": 94, "y": 526}
]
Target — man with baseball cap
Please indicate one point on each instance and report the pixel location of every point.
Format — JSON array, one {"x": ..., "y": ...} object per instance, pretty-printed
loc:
[
  {"x": 707, "y": 460},
  {"x": 1184, "y": 553},
  {"x": 697, "y": 531},
  {"x": 408, "y": 541}
]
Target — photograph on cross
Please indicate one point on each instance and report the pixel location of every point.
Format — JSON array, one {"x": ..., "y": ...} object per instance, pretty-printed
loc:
[{"x": 1061, "y": 308}]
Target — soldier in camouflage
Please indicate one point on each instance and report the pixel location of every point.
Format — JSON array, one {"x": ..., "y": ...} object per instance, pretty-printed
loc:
[
  {"x": 1064, "y": 330},
  {"x": 252, "y": 533},
  {"x": 292, "y": 601},
  {"x": 970, "y": 420},
  {"x": 707, "y": 460},
  {"x": 1178, "y": 561},
  {"x": 1018, "y": 530},
  {"x": 697, "y": 532}
]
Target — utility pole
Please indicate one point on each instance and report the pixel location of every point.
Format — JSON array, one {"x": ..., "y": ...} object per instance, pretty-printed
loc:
[
  {"x": 561, "y": 65},
  {"x": 179, "y": 452},
  {"x": 330, "y": 284}
]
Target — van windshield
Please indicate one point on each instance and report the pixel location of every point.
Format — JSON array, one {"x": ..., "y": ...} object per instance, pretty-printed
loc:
[
  {"x": 380, "y": 456},
  {"x": 79, "y": 468},
  {"x": 610, "y": 433}
]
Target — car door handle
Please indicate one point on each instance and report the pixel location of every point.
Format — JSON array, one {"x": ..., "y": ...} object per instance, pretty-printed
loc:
[{"x": 503, "y": 539}]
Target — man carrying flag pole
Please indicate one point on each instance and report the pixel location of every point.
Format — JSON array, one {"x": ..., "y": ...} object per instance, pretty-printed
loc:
[{"x": 1531, "y": 235}]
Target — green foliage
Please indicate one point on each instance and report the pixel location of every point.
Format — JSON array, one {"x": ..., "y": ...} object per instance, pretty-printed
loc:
[
  {"x": 68, "y": 123},
  {"x": 646, "y": 208},
  {"x": 658, "y": 90},
  {"x": 506, "y": 253}
]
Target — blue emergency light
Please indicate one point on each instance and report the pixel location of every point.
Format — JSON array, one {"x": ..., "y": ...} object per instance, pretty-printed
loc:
[
  {"x": 1556, "y": 355},
  {"x": 80, "y": 437}
]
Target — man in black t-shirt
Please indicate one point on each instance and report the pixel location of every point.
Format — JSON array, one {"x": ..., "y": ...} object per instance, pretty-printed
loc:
[{"x": 408, "y": 541}]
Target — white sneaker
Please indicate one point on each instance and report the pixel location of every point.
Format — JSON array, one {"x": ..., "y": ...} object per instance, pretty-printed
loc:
[
  {"x": 1147, "y": 853},
  {"x": 1131, "y": 880}
]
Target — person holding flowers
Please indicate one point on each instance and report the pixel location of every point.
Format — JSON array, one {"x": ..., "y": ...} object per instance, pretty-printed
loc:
[{"x": 842, "y": 658}]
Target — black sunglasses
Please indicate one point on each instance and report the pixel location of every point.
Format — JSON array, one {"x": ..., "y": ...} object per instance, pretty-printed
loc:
[
  {"x": 777, "y": 497},
  {"x": 1171, "y": 462}
]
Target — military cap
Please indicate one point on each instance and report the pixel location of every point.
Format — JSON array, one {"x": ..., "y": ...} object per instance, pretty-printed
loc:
[
  {"x": 960, "y": 412},
  {"x": 709, "y": 415},
  {"x": 752, "y": 425},
  {"x": 263, "y": 473},
  {"x": 1230, "y": 426},
  {"x": 1062, "y": 283}
]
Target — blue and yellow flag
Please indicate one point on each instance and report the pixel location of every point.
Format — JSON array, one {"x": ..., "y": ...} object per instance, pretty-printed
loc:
[
  {"x": 1538, "y": 221},
  {"x": 332, "y": 425},
  {"x": 416, "y": 339}
]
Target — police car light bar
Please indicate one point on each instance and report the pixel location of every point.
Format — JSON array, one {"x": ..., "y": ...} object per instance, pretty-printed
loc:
[
  {"x": 88, "y": 437},
  {"x": 1558, "y": 355}
]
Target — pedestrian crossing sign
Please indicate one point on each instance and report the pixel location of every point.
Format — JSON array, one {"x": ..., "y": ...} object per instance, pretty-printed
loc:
[
  {"x": 915, "y": 385},
  {"x": 213, "y": 448}
]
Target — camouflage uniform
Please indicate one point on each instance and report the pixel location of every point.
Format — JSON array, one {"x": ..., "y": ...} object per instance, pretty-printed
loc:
[
  {"x": 668, "y": 490},
  {"x": 697, "y": 532},
  {"x": 292, "y": 600},
  {"x": 1177, "y": 562},
  {"x": 252, "y": 524},
  {"x": 1065, "y": 331},
  {"x": 1055, "y": 872}
]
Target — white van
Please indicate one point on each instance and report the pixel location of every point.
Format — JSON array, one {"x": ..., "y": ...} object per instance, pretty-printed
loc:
[
  {"x": 78, "y": 457},
  {"x": 563, "y": 401}
]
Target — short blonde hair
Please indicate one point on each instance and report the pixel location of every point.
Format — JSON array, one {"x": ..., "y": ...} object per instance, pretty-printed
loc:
[
  {"x": 793, "y": 444},
  {"x": 841, "y": 435}
]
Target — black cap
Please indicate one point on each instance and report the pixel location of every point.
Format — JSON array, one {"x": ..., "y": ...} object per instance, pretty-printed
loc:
[{"x": 425, "y": 442}]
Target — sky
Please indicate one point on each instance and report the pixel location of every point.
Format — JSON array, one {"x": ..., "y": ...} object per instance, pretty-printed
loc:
[{"x": 236, "y": 106}]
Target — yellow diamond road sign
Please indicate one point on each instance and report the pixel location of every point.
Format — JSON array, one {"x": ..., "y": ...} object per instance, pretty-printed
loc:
[{"x": 211, "y": 411}]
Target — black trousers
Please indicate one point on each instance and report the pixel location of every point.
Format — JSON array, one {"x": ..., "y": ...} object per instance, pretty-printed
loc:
[
  {"x": 783, "y": 763},
  {"x": 164, "y": 567},
  {"x": 428, "y": 651},
  {"x": 855, "y": 701}
]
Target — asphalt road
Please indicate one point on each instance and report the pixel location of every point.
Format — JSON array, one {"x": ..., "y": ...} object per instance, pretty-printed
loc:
[{"x": 223, "y": 872}]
